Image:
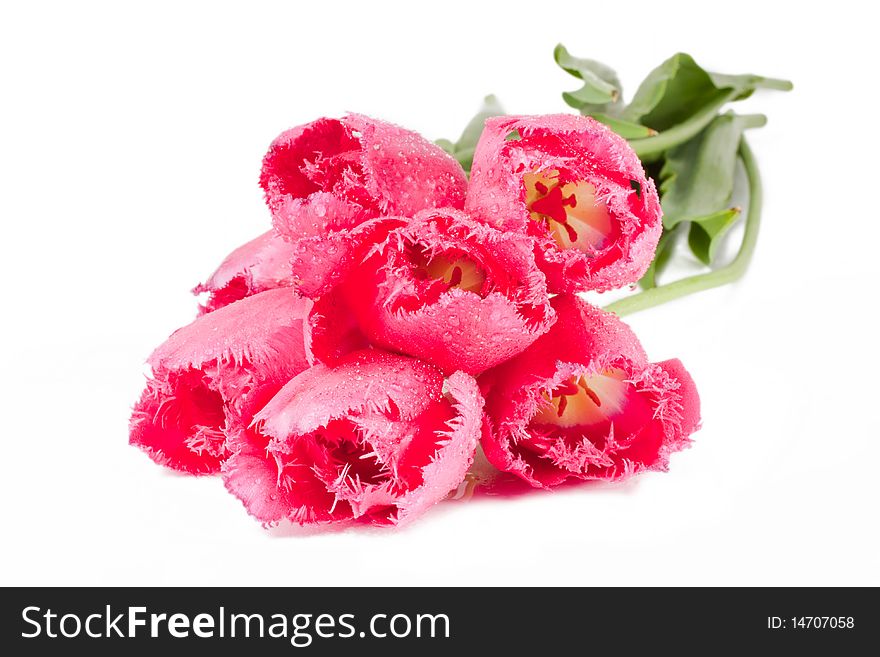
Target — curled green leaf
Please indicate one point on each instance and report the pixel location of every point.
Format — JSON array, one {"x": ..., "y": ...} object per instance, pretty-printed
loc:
[
  {"x": 705, "y": 234},
  {"x": 697, "y": 182},
  {"x": 463, "y": 149},
  {"x": 748, "y": 83},
  {"x": 671, "y": 93},
  {"x": 601, "y": 91},
  {"x": 734, "y": 270},
  {"x": 679, "y": 98}
]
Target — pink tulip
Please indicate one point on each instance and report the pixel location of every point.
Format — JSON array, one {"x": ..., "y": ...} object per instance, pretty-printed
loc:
[
  {"x": 578, "y": 188},
  {"x": 377, "y": 438},
  {"x": 218, "y": 370},
  {"x": 333, "y": 174},
  {"x": 440, "y": 287},
  {"x": 259, "y": 265},
  {"x": 583, "y": 402}
]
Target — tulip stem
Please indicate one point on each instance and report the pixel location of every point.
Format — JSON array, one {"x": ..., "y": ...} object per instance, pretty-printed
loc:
[
  {"x": 727, "y": 274},
  {"x": 650, "y": 148}
]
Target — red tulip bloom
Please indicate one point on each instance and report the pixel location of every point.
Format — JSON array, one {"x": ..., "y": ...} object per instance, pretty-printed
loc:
[
  {"x": 377, "y": 438},
  {"x": 440, "y": 287},
  {"x": 217, "y": 370},
  {"x": 261, "y": 264},
  {"x": 333, "y": 174},
  {"x": 578, "y": 188},
  {"x": 583, "y": 402}
]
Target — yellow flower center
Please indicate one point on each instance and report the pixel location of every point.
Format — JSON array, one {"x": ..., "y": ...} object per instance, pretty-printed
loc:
[
  {"x": 584, "y": 400},
  {"x": 460, "y": 272},
  {"x": 570, "y": 212}
]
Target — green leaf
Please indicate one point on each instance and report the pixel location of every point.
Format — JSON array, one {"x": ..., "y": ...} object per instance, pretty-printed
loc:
[
  {"x": 601, "y": 91},
  {"x": 705, "y": 234},
  {"x": 697, "y": 182},
  {"x": 672, "y": 92},
  {"x": 465, "y": 158},
  {"x": 662, "y": 256},
  {"x": 446, "y": 145},
  {"x": 471, "y": 134},
  {"x": 625, "y": 129},
  {"x": 748, "y": 83},
  {"x": 679, "y": 98},
  {"x": 463, "y": 149},
  {"x": 697, "y": 176}
]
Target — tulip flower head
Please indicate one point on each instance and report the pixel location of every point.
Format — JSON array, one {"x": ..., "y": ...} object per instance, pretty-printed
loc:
[
  {"x": 333, "y": 174},
  {"x": 577, "y": 188},
  {"x": 583, "y": 402},
  {"x": 441, "y": 287},
  {"x": 219, "y": 368},
  {"x": 376, "y": 438}
]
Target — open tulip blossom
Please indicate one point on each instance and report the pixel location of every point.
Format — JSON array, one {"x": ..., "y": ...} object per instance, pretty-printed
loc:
[
  {"x": 347, "y": 365},
  {"x": 578, "y": 188},
  {"x": 333, "y": 174},
  {"x": 376, "y": 437},
  {"x": 222, "y": 366},
  {"x": 583, "y": 402},
  {"x": 439, "y": 286}
]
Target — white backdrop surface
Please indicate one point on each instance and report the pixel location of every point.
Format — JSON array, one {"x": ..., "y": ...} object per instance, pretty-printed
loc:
[{"x": 131, "y": 145}]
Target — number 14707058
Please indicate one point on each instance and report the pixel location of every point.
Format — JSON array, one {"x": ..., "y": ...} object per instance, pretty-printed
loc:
[{"x": 810, "y": 622}]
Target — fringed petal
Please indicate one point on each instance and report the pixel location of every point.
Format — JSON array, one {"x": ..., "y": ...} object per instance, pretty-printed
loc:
[
  {"x": 262, "y": 264},
  {"x": 373, "y": 438},
  {"x": 577, "y": 188},
  {"x": 217, "y": 372},
  {"x": 440, "y": 287},
  {"x": 333, "y": 174},
  {"x": 583, "y": 402}
]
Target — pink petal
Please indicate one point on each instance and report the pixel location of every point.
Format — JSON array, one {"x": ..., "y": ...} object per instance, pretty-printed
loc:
[
  {"x": 319, "y": 262},
  {"x": 372, "y": 438},
  {"x": 446, "y": 470},
  {"x": 214, "y": 372},
  {"x": 583, "y": 402},
  {"x": 690, "y": 398},
  {"x": 332, "y": 332},
  {"x": 440, "y": 287},
  {"x": 261, "y": 264},
  {"x": 573, "y": 148},
  {"x": 333, "y": 174}
]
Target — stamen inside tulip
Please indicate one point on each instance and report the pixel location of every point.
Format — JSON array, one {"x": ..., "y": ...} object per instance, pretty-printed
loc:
[
  {"x": 353, "y": 461},
  {"x": 455, "y": 270},
  {"x": 586, "y": 415},
  {"x": 570, "y": 212},
  {"x": 585, "y": 400}
]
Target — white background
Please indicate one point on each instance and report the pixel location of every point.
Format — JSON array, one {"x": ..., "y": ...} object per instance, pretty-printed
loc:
[{"x": 131, "y": 146}]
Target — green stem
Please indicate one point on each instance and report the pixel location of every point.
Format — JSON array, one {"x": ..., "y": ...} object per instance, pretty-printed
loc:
[
  {"x": 650, "y": 148},
  {"x": 723, "y": 276},
  {"x": 777, "y": 84}
]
